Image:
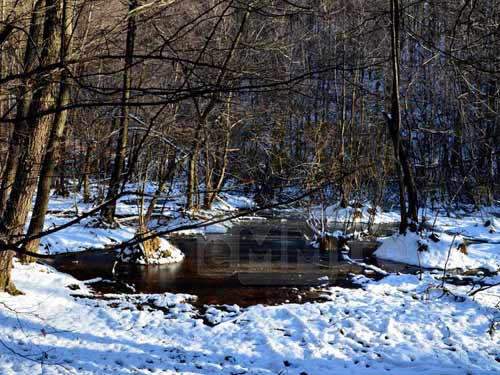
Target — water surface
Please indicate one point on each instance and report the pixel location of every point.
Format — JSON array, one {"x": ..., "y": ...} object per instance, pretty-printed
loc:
[{"x": 268, "y": 262}]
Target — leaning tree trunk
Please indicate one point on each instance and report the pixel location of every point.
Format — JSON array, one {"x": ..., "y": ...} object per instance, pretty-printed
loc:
[
  {"x": 151, "y": 245},
  {"x": 52, "y": 155},
  {"x": 214, "y": 188},
  {"x": 33, "y": 148},
  {"x": 108, "y": 213},
  {"x": 166, "y": 176}
]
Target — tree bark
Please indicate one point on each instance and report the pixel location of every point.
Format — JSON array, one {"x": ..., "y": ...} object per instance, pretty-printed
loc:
[
  {"x": 24, "y": 97},
  {"x": 87, "y": 171},
  {"x": 52, "y": 155},
  {"x": 394, "y": 120},
  {"x": 33, "y": 148},
  {"x": 108, "y": 213}
]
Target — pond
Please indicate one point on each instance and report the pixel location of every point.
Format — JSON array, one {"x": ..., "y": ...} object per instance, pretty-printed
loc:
[{"x": 269, "y": 262}]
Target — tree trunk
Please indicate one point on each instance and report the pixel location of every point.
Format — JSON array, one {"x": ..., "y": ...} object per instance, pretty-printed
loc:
[
  {"x": 203, "y": 118},
  {"x": 108, "y": 213},
  {"x": 192, "y": 170},
  {"x": 33, "y": 148},
  {"x": 87, "y": 171},
  {"x": 24, "y": 98},
  {"x": 217, "y": 186},
  {"x": 52, "y": 155},
  {"x": 394, "y": 120},
  {"x": 409, "y": 181},
  {"x": 60, "y": 161},
  {"x": 404, "y": 170},
  {"x": 164, "y": 178}
]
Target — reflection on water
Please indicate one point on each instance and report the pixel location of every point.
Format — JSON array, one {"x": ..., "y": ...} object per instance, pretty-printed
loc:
[{"x": 267, "y": 263}]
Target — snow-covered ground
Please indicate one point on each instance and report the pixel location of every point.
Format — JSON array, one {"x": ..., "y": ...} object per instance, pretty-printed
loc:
[
  {"x": 469, "y": 223},
  {"x": 336, "y": 213},
  {"x": 443, "y": 251},
  {"x": 81, "y": 236},
  {"x": 454, "y": 240},
  {"x": 87, "y": 235},
  {"x": 476, "y": 225},
  {"x": 166, "y": 253},
  {"x": 400, "y": 325}
]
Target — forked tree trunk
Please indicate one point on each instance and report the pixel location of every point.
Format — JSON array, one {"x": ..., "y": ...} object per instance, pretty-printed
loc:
[
  {"x": 151, "y": 246},
  {"x": 213, "y": 189},
  {"x": 164, "y": 178}
]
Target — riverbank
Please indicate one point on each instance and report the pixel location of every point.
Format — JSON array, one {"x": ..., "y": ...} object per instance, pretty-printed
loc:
[{"x": 400, "y": 324}]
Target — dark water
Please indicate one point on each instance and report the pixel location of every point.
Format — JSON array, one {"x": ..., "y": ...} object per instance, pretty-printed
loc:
[{"x": 269, "y": 262}]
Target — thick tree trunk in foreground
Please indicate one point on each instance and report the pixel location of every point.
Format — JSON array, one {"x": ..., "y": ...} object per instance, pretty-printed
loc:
[
  {"x": 24, "y": 98},
  {"x": 33, "y": 149},
  {"x": 52, "y": 155},
  {"x": 108, "y": 213}
]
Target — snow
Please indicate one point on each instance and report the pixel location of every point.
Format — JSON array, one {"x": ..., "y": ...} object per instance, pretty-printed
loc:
[
  {"x": 238, "y": 201},
  {"x": 85, "y": 235},
  {"x": 218, "y": 228},
  {"x": 336, "y": 213},
  {"x": 442, "y": 254},
  {"x": 471, "y": 226},
  {"x": 82, "y": 236},
  {"x": 470, "y": 223},
  {"x": 400, "y": 325},
  {"x": 174, "y": 254}
]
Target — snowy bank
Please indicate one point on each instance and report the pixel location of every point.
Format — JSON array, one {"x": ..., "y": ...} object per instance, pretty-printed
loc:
[
  {"x": 166, "y": 253},
  {"x": 82, "y": 236},
  {"x": 89, "y": 234},
  {"x": 439, "y": 251},
  {"x": 399, "y": 325},
  {"x": 362, "y": 214}
]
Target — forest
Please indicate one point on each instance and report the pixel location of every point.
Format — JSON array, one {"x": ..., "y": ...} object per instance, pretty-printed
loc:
[{"x": 249, "y": 186}]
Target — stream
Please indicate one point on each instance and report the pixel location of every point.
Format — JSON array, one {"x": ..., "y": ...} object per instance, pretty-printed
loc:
[{"x": 256, "y": 262}]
